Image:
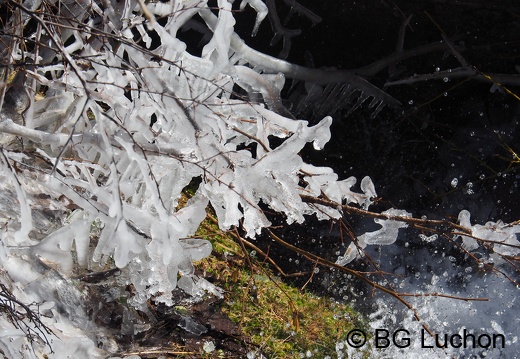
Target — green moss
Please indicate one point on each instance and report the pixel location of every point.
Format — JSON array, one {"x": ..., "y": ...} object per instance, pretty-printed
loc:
[{"x": 281, "y": 320}]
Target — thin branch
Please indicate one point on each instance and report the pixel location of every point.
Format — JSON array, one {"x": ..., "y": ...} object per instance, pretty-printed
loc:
[
  {"x": 329, "y": 264},
  {"x": 361, "y": 212}
]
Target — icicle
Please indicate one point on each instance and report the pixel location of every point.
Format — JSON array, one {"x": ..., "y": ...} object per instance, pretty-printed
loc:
[
  {"x": 218, "y": 48},
  {"x": 26, "y": 225},
  {"x": 261, "y": 12}
]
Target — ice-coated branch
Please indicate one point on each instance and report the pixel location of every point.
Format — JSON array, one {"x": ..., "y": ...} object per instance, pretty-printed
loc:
[
  {"x": 269, "y": 86},
  {"x": 26, "y": 225},
  {"x": 144, "y": 130},
  {"x": 386, "y": 235},
  {"x": 7, "y": 126},
  {"x": 272, "y": 65},
  {"x": 261, "y": 12}
]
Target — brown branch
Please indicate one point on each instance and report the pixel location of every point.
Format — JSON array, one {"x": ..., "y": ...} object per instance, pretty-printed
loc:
[
  {"x": 267, "y": 258},
  {"x": 361, "y": 212},
  {"x": 251, "y": 137},
  {"x": 422, "y": 223},
  {"x": 437, "y": 294},
  {"x": 324, "y": 262}
]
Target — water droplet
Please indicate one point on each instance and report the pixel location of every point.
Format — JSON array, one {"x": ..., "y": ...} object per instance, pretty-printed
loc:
[
  {"x": 437, "y": 69},
  {"x": 454, "y": 182}
]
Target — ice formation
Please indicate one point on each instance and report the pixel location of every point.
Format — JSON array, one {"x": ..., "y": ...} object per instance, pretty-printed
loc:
[
  {"x": 500, "y": 237},
  {"x": 386, "y": 235},
  {"x": 120, "y": 137}
]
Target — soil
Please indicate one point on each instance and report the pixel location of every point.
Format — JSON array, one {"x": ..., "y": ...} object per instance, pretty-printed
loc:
[{"x": 189, "y": 329}]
